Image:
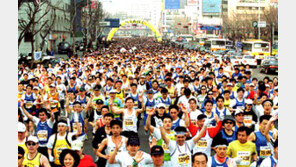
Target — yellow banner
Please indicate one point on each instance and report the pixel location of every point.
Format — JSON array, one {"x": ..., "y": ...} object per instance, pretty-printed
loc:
[{"x": 145, "y": 23}]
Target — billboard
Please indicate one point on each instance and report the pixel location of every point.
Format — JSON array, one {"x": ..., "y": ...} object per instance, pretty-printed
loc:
[
  {"x": 192, "y": 2},
  {"x": 172, "y": 4},
  {"x": 211, "y": 6},
  {"x": 113, "y": 22}
]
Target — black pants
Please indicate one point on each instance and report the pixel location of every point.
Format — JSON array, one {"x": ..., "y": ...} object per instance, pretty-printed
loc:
[{"x": 43, "y": 150}]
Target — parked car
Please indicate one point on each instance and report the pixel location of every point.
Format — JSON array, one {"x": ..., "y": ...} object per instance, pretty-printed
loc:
[
  {"x": 64, "y": 47},
  {"x": 268, "y": 66},
  {"x": 249, "y": 60},
  {"x": 235, "y": 60}
]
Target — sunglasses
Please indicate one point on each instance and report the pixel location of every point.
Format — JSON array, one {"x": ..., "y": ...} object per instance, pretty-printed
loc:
[
  {"x": 31, "y": 144},
  {"x": 20, "y": 157},
  {"x": 228, "y": 122}
]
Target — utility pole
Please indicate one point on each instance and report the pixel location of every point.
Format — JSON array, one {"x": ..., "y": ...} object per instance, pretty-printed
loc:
[
  {"x": 272, "y": 37},
  {"x": 259, "y": 20}
]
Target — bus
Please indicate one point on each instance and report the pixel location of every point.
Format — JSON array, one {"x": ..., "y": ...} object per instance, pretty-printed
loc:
[
  {"x": 215, "y": 44},
  {"x": 201, "y": 40},
  {"x": 256, "y": 48},
  {"x": 187, "y": 37}
]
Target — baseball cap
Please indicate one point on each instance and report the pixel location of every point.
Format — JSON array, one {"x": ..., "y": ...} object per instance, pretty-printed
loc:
[
  {"x": 238, "y": 111},
  {"x": 21, "y": 127},
  {"x": 113, "y": 91},
  {"x": 99, "y": 101},
  {"x": 33, "y": 139},
  {"x": 249, "y": 101},
  {"x": 143, "y": 76},
  {"x": 52, "y": 85},
  {"x": 229, "y": 84},
  {"x": 35, "y": 87},
  {"x": 82, "y": 89},
  {"x": 159, "y": 105},
  {"x": 266, "y": 85},
  {"x": 76, "y": 145},
  {"x": 251, "y": 84},
  {"x": 157, "y": 150}
]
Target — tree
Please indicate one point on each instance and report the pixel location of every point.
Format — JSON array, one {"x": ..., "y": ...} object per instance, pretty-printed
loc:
[
  {"x": 33, "y": 21},
  {"x": 47, "y": 28},
  {"x": 71, "y": 16}
]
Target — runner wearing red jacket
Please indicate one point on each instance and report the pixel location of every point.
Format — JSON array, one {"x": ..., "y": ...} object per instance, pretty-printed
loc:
[{"x": 204, "y": 144}]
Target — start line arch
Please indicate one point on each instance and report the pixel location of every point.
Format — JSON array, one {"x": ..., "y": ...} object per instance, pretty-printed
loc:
[{"x": 145, "y": 23}]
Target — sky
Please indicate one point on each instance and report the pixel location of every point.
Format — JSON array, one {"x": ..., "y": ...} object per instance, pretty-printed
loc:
[{"x": 119, "y": 5}]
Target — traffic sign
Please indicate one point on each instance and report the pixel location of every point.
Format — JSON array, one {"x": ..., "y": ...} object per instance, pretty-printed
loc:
[
  {"x": 262, "y": 24},
  {"x": 104, "y": 23},
  {"x": 255, "y": 24}
]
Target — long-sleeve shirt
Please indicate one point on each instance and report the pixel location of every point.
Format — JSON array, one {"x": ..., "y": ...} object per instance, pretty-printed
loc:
[{"x": 212, "y": 130}]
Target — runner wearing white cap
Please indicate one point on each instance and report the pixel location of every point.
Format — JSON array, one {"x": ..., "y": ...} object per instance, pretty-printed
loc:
[
  {"x": 33, "y": 157},
  {"x": 22, "y": 133}
]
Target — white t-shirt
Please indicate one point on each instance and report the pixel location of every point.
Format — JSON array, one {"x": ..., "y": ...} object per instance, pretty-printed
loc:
[
  {"x": 183, "y": 99},
  {"x": 181, "y": 155},
  {"x": 194, "y": 115},
  {"x": 125, "y": 160}
]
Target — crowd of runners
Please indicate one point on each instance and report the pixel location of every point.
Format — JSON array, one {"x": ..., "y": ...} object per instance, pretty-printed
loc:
[{"x": 197, "y": 110}]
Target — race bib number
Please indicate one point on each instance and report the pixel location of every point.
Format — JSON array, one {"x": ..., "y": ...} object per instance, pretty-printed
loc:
[
  {"x": 148, "y": 108},
  {"x": 202, "y": 143},
  {"x": 183, "y": 159},
  {"x": 29, "y": 104},
  {"x": 136, "y": 104},
  {"x": 59, "y": 151},
  {"x": 128, "y": 122},
  {"x": 53, "y": 104},
  {"x": 193, "y": 121},
  {"x": 248, "y": 120},
  {"x": 165, "y": 147},
  {"x": 265, "y": 151},
  {"x": 245, "y": 156},
  {"x": 42, "y": 135},
  {"x": 240, "y": 107},
  {"x": 75, "y": 128}
]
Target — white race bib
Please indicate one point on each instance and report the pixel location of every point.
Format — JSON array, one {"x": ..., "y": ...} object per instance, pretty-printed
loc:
[{"x": 245, "y": 156}]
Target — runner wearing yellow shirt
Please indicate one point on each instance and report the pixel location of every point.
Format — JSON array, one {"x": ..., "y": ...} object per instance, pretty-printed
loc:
[{"x": 242, "y": 150}]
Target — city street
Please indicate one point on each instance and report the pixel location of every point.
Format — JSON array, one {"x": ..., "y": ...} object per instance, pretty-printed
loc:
[{"x": 184, "y": 64}]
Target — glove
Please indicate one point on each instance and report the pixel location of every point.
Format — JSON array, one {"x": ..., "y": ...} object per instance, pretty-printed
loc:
[
  {"x": 208, "y": 122},
  {"x": 237, "y": 159},
  {"x": 159, "y": 122},
  {"x": 51, "y": 158}
]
